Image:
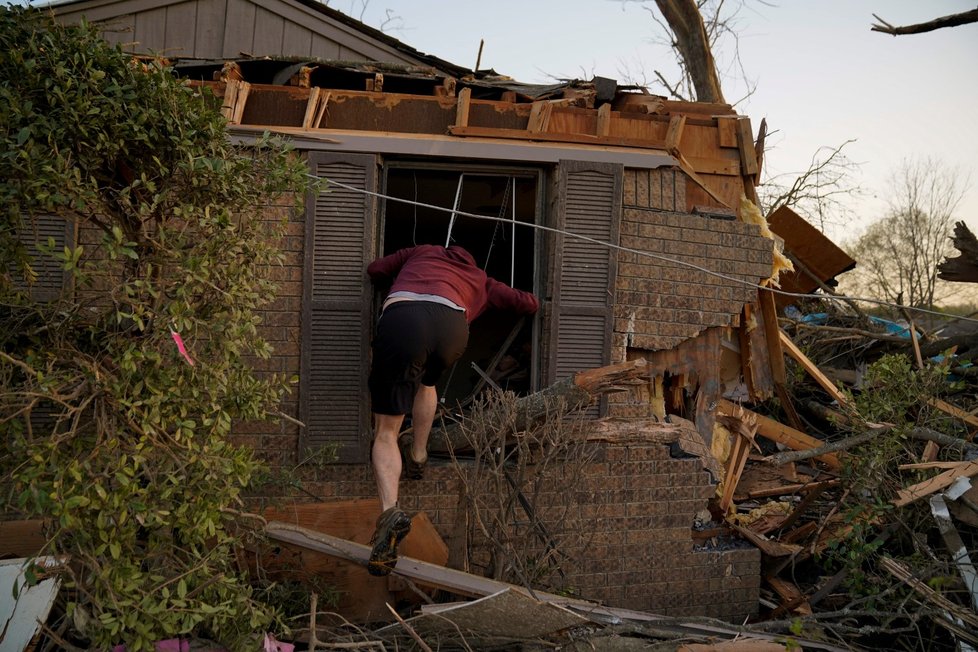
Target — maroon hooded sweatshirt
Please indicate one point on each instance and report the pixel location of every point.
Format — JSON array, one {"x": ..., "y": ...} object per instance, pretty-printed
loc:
[{"x": 450, "y": 273}]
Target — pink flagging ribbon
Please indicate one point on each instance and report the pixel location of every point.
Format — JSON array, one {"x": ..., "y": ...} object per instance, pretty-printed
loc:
[{"x": 181, "y": 347}]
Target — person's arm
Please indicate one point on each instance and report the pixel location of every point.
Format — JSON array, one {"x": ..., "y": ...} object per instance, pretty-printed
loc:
[
  {"x": 388, "y": 266},
  {"x": 507, "y": 298}
]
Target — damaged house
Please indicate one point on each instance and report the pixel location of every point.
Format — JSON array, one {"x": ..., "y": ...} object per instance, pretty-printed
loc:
[{"x": 669, "y": 270}]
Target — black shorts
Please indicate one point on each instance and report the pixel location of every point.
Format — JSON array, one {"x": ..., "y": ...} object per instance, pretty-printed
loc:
[{"x": 414, "y": 344}]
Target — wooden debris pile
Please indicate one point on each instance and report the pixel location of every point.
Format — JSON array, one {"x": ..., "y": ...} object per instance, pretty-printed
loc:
[{"x": 857, "y": 482}]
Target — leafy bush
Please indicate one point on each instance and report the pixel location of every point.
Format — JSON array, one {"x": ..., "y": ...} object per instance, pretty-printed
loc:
[{"x": 115, "y": 438}]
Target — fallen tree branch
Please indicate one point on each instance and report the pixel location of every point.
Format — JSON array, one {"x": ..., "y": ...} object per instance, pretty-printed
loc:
[
  {"x": 576, "y": 391},
  {"x": 923, "y": 434}
]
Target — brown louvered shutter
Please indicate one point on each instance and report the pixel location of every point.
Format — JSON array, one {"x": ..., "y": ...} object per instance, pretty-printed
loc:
[
  {"x": 336, "y": 306},
  {"x": 52, "y": 280},
  {"x": 584, "y": 275}
]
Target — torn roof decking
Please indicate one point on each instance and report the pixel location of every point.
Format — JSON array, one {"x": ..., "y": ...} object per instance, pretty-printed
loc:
[
  {"x": 810, "y": 247},
  {"x": 637, "y": 130}
]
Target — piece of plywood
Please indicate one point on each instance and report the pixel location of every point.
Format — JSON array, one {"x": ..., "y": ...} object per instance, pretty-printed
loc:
[
  {"x": 21, "y": 538},
  {"x": 362, "y": 597},
  {"x": 809, "y": 246}
]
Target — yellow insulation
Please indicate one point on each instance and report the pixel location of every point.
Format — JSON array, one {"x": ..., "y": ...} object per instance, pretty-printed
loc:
[{"x": 751, "y": 214}]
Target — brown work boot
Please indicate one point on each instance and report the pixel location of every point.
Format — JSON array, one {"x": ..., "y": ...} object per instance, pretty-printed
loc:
[
  {"x": 392, "y": 526},
  {"x": 410, "y": 469}
]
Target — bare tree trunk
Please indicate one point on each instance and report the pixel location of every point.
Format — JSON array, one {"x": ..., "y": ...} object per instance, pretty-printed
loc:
[{"x": 690, "y": 38}]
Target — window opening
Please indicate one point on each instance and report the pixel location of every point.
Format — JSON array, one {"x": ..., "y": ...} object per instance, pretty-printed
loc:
[{"x": 506, "y": 250}]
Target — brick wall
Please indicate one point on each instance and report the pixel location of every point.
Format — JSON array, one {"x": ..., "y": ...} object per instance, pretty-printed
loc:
[
  {"x": 660, "y": 304},
  {"x": 635, "y": 507},
  {"x": 637, "y": 503}
]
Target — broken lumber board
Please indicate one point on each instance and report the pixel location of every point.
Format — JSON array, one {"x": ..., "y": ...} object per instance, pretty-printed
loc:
[
  {"x": 604, "y": 120},
  {"x": 794, "y": 600},
  {"x": 812, "y": 369},
  {"x": 769, "y": 547},
  {"x": 675, "y": 132},
  {"x": 769, "y": 317},
  {"x": 933, "y": 485},
  {"x": 743, "y": 427},
  {"x": 954, "y": 411},
  {"x": 540, "y": 114},
  {"x": 745, "y": 142},
  {"x": 792, "y": 489},
  {"x": 463, "y": 102},
  {"x": 790, "y": 437}
]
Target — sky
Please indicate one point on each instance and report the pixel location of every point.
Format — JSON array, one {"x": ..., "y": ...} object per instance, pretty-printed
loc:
[{"x": 822, "y": 77}]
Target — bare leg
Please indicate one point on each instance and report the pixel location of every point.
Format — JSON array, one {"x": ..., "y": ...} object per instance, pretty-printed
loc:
[
  {"x": 386, "y": 457},
  {"x": 422, "y": 416}
]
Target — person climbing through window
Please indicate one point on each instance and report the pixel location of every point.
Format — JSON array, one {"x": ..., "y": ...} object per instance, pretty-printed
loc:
[{"x": 423, "y": 329}]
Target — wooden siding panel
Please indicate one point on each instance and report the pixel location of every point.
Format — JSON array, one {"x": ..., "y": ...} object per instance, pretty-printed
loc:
[
  {"x": 297, "y": 41},
  {"x": 590, "y": 205},
  {"x": 150, "y": 31},
  {"x": 119, "y": 31},
  {"x": 239, "y": 28},
  {"x": 269, "y": 30},
  {"x": 324, "y": 48},
  {"x": 336, "y": 306},
  {"x": 209, "y": 32},
  {"x": 180, "y": 22}
]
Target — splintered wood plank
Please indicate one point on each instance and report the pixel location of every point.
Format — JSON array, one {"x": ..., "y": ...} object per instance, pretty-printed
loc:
[
  {"x": 675, "y": 132},
  {"x": 462, "y": 107},
  {"x": 311, "y": 107},
  {"x": 744, "y": 426},
  {"x": 933, "y": 485},
  {"x": 794, "y": 600},
  {"x": 604, "y": 120},
  {"x": 745, "y": 141},
  {"x": 767, "y": 546},
  {"x": 955, "y": 412},
  {"x": 790, "y": 437},
  {"x": 812, "y": 369},
  {"x": 769, "y": 317},
  {"x": 735, "y": 467},
  {"x": 539, "y": 117}
]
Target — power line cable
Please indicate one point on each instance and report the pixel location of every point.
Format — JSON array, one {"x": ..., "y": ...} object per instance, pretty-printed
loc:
[{"x": 649, "y": 254}]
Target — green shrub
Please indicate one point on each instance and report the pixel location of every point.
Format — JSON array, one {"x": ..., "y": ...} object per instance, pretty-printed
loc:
[{"x": 115, "y": 438}]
